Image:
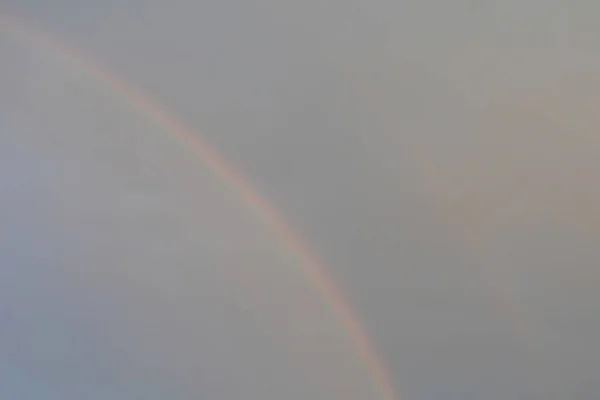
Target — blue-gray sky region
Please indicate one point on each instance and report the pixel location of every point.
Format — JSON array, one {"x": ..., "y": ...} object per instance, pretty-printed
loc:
[{"x": 441, "y": 156}]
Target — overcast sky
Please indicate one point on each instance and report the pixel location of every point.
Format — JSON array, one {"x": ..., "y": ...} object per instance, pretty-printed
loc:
[{"x": 441, "y": 157}]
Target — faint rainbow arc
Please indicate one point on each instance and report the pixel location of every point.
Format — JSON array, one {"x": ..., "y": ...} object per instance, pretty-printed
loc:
[{"x": 314, "y": 269}]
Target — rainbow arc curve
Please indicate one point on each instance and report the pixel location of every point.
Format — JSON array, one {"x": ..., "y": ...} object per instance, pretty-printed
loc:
[{"x": 314, "y": 269}]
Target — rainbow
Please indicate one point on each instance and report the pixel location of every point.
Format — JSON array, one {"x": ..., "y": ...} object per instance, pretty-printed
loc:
[{"x": 314, "y": 269}]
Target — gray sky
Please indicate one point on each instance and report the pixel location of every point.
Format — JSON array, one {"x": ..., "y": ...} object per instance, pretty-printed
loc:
[{"x": 440, "y": 156}]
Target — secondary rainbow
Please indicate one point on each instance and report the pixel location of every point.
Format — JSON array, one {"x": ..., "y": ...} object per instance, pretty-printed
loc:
[{"x": 315, "y": 270}]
